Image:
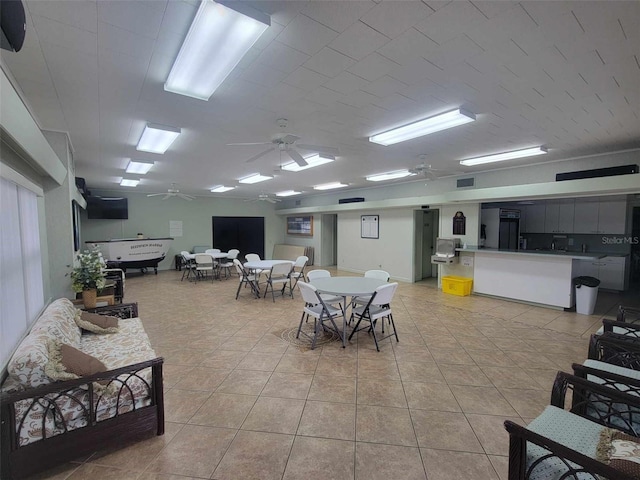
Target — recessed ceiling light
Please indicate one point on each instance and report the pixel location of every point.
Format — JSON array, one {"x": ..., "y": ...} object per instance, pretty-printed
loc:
[
  {"x": 221, "y": 189},
  {"x": 217, "y": 40},
  {"x": 139, "y": 166},
  {"x": 287, "y": 193},
  {"x": 424, "y": 127},
  {"x": 330, "y": 186},
  {"x": 157, "y": 138},
  {"x": 312, "y": 161},
  {"x": 255, "y": 178},
  {"x": 499, "y": 157},
  {"x": 129, "y": 182},
  {"x": 389, "y": 175}
]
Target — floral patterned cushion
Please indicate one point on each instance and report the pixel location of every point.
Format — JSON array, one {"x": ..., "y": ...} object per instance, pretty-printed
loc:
[{"x": 59, "y": 319}]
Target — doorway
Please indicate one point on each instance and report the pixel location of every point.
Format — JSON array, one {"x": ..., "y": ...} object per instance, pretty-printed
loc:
[
  {"x": 426, "y": 232},
  {"x": 329, "y": 240},
  {"x": 244, "y": 233}
]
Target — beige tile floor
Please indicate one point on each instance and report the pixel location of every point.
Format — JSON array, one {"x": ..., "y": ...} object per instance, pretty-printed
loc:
[{"x": 241, "y": 403}]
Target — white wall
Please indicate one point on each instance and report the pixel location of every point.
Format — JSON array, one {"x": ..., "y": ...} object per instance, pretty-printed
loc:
[
  {"x": 472, "y": 213},
  {"x": 392, "y": 252},
  {"x": 151, "y": 215}
]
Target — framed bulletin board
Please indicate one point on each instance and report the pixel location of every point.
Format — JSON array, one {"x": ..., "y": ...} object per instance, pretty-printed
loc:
[
  {"x": 300, "y": 226},
  {"x": 370, "y": 226}
]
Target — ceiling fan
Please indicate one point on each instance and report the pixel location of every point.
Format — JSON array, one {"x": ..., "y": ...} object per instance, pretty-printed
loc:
[
  {"x": 172, "y": 191},
  {"x": 428, "y": 171},
  {"x": 264, "y": 197},
  {"x": 286, "y": 142}
]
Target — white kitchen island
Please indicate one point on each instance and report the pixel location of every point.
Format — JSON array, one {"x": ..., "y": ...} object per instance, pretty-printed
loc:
[{"x": 537, "y": 277}]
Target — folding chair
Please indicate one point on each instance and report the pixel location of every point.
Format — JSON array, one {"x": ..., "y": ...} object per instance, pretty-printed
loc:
[
  {"x": 279, "y": 274},
  {"x": 297, "y": 272},
  {"x": 379, "y": 306},
  {"x": 246, "y": 278},
  {"x": 321, "y": 312}
]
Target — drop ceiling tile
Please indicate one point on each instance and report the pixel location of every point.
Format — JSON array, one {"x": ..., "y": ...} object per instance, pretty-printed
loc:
[
  {"x": 391, "y": 21},
  {"x": 385, "y": 86},
  {"x": 373, "y": 67},
  {"x": 600, "y": 22},
  {"x": 138, "y": 16},
  {"x": 436, "y": 4},
  {"x": 416, "y": 71},
  {"x": 491, "y": 8},
  {"x": 562, "y": 28},
  {"x": 125, "y": 42},
  {"x": 284, "y": 93},
  {"x": 395, "y": 102},
  {"x": 409, "y": 46},
  {"x": 324, "y": 96},
  {"x": 359, "y": 99},
  {"x": 268, "y": 36},
  {"x": 168, "y": 43},
  {"x": 305, "y": 79},
  {"x": 281, "y": 12},
  {"x": 454, "y": 51},
  {"x": 178, "y": 17},
  {"x": 281, "y": 57},
  {"x": 450, "y": 21},
  {"x": 337, "y": 16},
  {"x": 329, "y": 62},
  {"x": 262, "y": 74},
  {"x": 306, "y": 35},
  {"x": 82, "y": 15},
  {"x": 69, "y": 37},
  {"x": 346, "y": 82},
  {"x": 358, "y": 41}
]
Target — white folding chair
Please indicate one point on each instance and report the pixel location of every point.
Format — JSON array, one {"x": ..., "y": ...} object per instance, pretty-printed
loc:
[
  {"x": 254, "y": 257},
  {"x": 245, "y": 278},
  {"x": 379, "y": 274},
  {"x": 321, "y": 312},
  {"x": 204, "y": 265},
  {"x": 326, "y": 297},
  {"x": 227, "y": 265},
  {"x": 297, "y": 272},
  {"x": 379, "y": 306},
  {"x": 279, "y": 275},
  {"x": 187, "y": 264}
]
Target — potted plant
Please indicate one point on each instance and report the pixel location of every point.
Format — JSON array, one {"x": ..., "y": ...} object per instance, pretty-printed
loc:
[{"x": 87, "y": 276}]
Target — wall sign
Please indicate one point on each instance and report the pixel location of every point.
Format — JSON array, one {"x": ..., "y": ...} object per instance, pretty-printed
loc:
[
  {"x": 459, "y": 224},
  {"x": 300, "y": 226},
  {"x": 370, "y": 226}
]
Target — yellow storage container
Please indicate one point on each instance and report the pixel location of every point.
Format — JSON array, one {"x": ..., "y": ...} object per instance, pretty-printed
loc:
[{"x": 460, "y": 286}]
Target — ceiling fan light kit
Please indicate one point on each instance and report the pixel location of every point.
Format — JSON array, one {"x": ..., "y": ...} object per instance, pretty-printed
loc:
[
  {"x": 424, "y": 127},
  {"x": 219, "y": 37},
  {"x": 312, "y": 161},
  {"x": 500, "y": 157},
  {"x": 157, "y": 138},
  {"x": 140, "y": 167},
  {"x": 172, "y": 191},
  {"x": 129, "y": 182},
  {"x": 255, "y": 178},
  {"x": 389, "y": 176},
  {"x": 221, "y": 189}
]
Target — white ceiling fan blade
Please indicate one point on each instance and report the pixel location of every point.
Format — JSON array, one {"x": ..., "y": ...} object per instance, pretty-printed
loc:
[
  {"x": 319, "y": 148},
  {"x": 155, "y": 194},
  {"x": 295, "y": 155},
  {"x": 248, "y": 143},
  {"x": 168, "y": 195},
  {"x": 261, "y": 154},
  {"x": 185, "y": 197}
]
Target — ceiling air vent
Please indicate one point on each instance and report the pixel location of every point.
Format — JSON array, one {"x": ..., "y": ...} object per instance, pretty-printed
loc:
[{"x": 465, "y": 182}]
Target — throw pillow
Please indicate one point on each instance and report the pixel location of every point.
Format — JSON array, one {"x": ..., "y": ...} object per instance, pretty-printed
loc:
[
  {"x": 68, "y": 363},
  {"x": 621, "y": 451},
  {"x": 97, "y": 323}
]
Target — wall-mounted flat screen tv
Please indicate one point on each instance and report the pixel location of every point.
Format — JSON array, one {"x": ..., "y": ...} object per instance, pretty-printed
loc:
[{"x": 111, "y": 208}]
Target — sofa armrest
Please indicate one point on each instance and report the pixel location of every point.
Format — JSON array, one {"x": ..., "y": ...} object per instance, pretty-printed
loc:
[
  {"x": 628, "y": 314},
  {"x": 598, "y": 403},
  {"x": 123, "y": 310}
]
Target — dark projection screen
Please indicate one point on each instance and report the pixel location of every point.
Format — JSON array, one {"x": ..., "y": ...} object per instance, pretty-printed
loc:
[{"x": 244, "y": 233}]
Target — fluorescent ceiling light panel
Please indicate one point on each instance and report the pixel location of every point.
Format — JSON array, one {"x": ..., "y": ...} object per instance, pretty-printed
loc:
[
  {"x": 287, "y": 193},
  {"x": 216, "y": 42},
  {"x": 424, "y": 127},
  {"x": 221, "y": 189},
  {"x": 312, "y": 161},
  {"x": 499, "y": 157},
  {"x": 139, "y": 166},
  {"x": 389, "y": 176},
  {"x": 157, "y": 138},
  {"x": 330, "y": 186},
  {"x": 255, "y": 178},
  {"x": 128, "y": 182}
]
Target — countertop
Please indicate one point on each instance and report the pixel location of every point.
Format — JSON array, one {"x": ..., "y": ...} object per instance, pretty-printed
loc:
[{"x": 547, "y": 253}]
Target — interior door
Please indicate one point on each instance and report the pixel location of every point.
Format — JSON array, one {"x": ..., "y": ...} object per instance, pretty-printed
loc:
[
  {"x": 427, "y": 243},
  {"x": 244, "y": 233}
]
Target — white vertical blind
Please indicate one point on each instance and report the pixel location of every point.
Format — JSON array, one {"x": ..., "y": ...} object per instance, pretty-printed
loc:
[{"x": 21, "y": 288}]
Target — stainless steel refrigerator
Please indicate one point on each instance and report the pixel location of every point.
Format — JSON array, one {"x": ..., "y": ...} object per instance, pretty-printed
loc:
[{"x": 508, "y": 234}]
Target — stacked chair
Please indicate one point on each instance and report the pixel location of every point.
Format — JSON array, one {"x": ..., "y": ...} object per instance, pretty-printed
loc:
[{"x": 591, "y": 429}]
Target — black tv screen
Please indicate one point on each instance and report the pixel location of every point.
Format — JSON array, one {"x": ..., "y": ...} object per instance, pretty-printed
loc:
[{"x": 112, "y": 208}]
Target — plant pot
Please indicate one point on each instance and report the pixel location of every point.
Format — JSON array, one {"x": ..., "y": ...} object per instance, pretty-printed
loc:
[{"x": 89, "y": 298}]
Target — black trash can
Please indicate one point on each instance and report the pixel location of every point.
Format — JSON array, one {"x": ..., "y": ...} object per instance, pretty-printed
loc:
[{"x": 586, "y": 294}]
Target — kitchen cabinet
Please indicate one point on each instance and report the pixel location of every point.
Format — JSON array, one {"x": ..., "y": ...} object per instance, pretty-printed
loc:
[
  {"x": 609, "y": 270},
  {"x": 559, "y": 216},
  {"x": 534, "y": 218},
  {"x": 607, "y": 217}
]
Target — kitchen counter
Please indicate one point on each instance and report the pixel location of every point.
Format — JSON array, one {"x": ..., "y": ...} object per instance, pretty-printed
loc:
[{"x": 546, "y": 253}]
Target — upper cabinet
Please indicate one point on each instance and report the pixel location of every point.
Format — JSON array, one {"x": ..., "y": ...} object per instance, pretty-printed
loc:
[
  {"x": 606, "y": 216},
  {"x": 534, "y": 218},
  {"x": 559, "y": 216}
]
